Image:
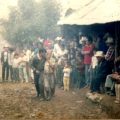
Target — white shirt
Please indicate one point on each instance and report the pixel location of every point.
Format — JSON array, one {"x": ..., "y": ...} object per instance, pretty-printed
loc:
[
  {"x": 67, "y": 72},
  {"x": 94, "y": 62},
  {"x": 22, "y": 61},
  {"x": 58, "y": 52},
  {"x": 16, "y": 62},
  {"x": 28, "y": 55},
  {"x": 5, "y": 56}
]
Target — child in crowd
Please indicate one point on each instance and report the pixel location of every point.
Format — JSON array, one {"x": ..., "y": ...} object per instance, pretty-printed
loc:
[
  {"x": 66, "y": 77},
  {"x": 22, "y": 67},
  {"x": 16, "y": 68}
]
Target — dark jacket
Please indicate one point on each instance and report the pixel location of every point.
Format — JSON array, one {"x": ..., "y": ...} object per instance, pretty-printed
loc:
[
  {"x": 38, "y": 65},
  {"x": 3, "y": 59},
  {"x": 102, "y": 70}
]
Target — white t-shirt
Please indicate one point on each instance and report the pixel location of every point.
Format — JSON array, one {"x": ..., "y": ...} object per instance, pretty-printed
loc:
[
  {"x": 67, "y": 72},
  {"x": 11, "y": 57},
  {"x": 5, "y": 56},
  {"x": 22, "y": 61},
  {"x": 94, "y": 62}
]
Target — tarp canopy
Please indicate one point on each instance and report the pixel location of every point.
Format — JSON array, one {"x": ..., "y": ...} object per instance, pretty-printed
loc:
[{"x": 92, "y": 12}]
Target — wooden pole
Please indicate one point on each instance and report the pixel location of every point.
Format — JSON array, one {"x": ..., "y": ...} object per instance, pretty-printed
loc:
[{"x": 116, "y": 43}]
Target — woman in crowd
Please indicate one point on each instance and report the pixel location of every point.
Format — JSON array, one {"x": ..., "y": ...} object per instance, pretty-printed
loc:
[{"x": 15, "y": 66}]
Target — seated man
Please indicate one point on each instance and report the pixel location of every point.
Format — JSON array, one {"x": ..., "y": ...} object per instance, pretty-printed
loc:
[
  {"x": 110, "y": 85},
  {"x": 101, "y": 71},
  {"x": 110, "y": 82}
]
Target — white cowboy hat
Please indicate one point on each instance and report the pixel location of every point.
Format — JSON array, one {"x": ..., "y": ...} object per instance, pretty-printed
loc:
[
  {"x": 109, "y": 40},
  {"x": 58, "y": 38},
  {"x": 83, "y": 39},
  {"x": 99, "y": 54}
]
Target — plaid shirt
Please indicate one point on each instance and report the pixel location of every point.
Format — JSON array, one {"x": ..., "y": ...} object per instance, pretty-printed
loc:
[{"x": 110, "y": 54}]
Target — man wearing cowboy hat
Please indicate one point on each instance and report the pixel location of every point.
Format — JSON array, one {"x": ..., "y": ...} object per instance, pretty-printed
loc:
[
  {"x": 5, "y": 63},
  {"x": 101, "y": 71},
  {"x": 110, "y": 54}
]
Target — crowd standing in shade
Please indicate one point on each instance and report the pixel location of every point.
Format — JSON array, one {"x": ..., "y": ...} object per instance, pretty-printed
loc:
[{"x": 70, "y": 65}]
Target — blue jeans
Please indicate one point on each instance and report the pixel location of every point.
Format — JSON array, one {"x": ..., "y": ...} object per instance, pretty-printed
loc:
[{"x": 87, "y": 75}]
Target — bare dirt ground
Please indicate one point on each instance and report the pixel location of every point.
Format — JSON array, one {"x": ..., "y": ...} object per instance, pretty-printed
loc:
[{"x": 18, "y": 102}]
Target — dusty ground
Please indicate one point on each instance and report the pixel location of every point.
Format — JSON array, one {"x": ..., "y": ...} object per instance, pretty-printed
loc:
[{"x": 18, "y": 102}]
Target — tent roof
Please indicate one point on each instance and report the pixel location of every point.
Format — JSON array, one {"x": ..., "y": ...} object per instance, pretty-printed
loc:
[{"x": 93, "y": 11}]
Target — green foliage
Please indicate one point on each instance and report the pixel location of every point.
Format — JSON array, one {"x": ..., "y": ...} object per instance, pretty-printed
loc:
[{"x": 31, "y": 19}]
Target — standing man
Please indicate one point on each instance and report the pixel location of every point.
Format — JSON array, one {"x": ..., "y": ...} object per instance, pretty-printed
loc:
[
  {"x": 87, "y": 52},
  {"x": 5, "y": 63},
  {"x": 38, "y": 69},
  {"x": 110, "y": 55}
]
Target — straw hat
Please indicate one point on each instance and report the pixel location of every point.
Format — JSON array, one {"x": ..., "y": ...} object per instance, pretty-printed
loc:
[
  {"x": 83, "y": 39},
  {"x": 58, "y": 38},
  {"x": 99, "y": 54}
]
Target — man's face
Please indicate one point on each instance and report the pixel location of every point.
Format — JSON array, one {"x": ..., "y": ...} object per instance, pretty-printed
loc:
[
  {"x": 40, "y": 54},
  {"x": 99, "y": 58}
]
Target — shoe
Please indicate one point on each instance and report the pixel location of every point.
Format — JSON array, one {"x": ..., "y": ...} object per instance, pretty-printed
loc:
[
  {"x": 108, "y": 92},
  {"x": 117, "y": 102},
  {"x": 112, "y": 94},
  {"x": 41, "y": 99}
]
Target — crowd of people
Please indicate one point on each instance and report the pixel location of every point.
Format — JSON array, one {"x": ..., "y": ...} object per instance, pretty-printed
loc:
[{"x": 69, "y": 64}]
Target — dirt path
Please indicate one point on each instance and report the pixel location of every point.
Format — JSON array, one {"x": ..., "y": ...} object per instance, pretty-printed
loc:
[{"x": 18, "y": 102}]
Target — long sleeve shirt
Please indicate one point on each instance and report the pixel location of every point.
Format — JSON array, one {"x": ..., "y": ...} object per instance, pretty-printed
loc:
[{"x": 38, "y": 64}]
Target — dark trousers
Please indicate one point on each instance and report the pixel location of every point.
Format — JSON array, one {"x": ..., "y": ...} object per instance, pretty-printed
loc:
[
  {"x": 38, "y": 85},
  {"x": 11, "y": 72},
  {"x": 16, "y": 74},
  {"x": 5, "y": 71},
  {"x": 95, "y": 84},
  {"x": 59, "y": 75}
]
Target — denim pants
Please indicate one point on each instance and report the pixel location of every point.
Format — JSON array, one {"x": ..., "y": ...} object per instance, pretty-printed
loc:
[
  {"x": 87, "y": 74},
  {"x": 59, "y": 75},
  {"x": 5, "y": 71},
  {"x": 109, "y": 83},
  {"x": 16, "y": 74},
  {"x": 39, "y": 84}
]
